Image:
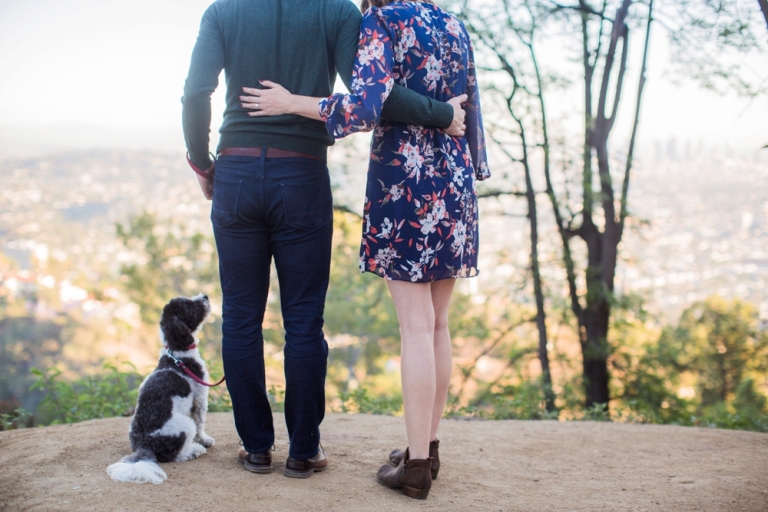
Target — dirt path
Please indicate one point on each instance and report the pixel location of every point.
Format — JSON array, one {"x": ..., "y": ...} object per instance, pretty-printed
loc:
[{"x": 503, "y": 465}]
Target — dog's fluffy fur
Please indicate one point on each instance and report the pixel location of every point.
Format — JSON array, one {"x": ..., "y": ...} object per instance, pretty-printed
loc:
[{"x": 169, "y": 422}]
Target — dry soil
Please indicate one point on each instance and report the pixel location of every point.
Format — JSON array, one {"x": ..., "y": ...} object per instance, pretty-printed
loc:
[{"x": 493, "y": 466}]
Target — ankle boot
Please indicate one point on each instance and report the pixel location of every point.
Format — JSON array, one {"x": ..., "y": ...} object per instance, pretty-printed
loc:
[
  {"x": 412, "y": 476},
  {"x": 397, "y": 455}
]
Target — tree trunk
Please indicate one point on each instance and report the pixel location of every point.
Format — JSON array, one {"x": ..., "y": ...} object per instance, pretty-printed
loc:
[
  {"x": 602, "y": 246},
  {"x": 541, "y": 319},
  {"x": 594, "y": 328},
  {"x": 546, "y": 376}
]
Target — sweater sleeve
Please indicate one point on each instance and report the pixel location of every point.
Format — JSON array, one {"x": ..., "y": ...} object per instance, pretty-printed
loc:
[
  {"x": 403, "y": 105},
  {"x": 203, "y": 78}
]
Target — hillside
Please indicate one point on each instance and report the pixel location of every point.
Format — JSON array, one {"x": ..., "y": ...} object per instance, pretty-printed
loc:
[{"x": 501, "y": 465}]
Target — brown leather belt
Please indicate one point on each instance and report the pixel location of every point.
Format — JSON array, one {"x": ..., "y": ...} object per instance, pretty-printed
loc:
[{"x": 271, "y": 153}]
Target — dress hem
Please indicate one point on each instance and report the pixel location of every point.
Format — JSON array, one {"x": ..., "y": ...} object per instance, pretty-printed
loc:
[{"x": 473, "y": 272}]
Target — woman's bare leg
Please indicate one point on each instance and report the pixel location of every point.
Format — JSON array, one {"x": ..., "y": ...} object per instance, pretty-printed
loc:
[
  {"x": 415, "y": 312},
  {"x": 441, "y": 299}
]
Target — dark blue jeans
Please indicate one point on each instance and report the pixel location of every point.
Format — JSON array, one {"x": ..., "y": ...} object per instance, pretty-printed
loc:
[{"x": 281, "y": 208}]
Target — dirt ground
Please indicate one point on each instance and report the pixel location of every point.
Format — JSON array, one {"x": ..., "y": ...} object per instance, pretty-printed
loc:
[{"x": 493, "y": 466}]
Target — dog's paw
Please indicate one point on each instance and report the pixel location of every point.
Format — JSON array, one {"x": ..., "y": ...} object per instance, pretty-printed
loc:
[
  {"x": 196, "y": 451},
  {"x": 205, "y": 440},
  {"x": 192, "y": 452}
]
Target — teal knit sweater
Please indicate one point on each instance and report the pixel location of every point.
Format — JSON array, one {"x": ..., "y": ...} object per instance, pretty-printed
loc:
[{"x": 300, "y": 44}]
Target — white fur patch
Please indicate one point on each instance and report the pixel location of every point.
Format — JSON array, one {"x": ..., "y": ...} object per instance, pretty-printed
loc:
[
  {"x": 138, "y": 472},
  {"x": 179, "y": 422}
]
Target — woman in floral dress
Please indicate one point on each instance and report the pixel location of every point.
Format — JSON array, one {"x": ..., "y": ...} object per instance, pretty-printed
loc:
[{"x": 420, "y": 228}]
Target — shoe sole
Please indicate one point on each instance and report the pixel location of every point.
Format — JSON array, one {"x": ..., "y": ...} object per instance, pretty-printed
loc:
[
  {"x": 253, "y": 468},
  {"x": 417, "y": 494},
  {"x": 262, "y": 470},
  {"x": 294, "y": 473}
]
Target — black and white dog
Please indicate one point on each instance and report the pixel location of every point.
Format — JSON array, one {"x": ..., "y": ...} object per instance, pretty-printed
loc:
[{"x": 169, "y": 422}]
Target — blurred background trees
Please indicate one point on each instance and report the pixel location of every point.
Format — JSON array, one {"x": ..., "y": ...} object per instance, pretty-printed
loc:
[
  {"x": 587, "y": 181},
  {"x": 709, "y": 369},
  {"x": 553, "y": 338}
]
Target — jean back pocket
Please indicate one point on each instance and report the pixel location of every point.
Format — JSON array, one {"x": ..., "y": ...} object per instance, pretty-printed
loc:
[
  {"x": 307, "y": 205},
  {"x": 226, "y": 194}
]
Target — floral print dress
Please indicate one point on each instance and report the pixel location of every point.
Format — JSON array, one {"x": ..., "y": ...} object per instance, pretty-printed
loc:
[{"x": 421, "y": 218}]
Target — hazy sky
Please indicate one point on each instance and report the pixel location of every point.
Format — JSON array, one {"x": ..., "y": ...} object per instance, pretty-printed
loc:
[{"x": 87, "y": 73}]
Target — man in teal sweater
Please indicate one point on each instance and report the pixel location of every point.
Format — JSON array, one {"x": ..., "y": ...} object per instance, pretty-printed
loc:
[{"x": 272, "y": 199}]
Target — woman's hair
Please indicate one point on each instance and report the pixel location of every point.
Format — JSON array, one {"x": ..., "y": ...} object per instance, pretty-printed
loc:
[{"x": 365, "y": 4}]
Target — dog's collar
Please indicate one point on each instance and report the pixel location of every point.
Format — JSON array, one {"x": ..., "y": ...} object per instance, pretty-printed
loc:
[
  {"x": 190, "y": 347},
  {"x": 178, "y": 362}
]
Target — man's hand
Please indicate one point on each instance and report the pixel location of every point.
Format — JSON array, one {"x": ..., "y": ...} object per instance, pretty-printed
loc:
[
  {"x": 457, "y": 128},
  {"x": 206, "y": 185}
]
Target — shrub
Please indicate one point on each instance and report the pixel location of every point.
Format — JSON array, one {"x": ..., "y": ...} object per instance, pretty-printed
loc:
[
  {"x": 18, "y": 418},
  {"x": 112, "y": 393},
  {"x": 358, "y": 401}
]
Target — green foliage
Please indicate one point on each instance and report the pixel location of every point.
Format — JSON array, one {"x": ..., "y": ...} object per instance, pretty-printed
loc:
[
  {"x": 26, "y": 343},
  {"x": 218, "y": 396},
  {"x": 705, "y": 371},
  {"x": 170, "y": 260},
  {"x": 718, "y": 342},
  {"x": 358, "y": 401},
  {"x": 356, "y": 305},
  {"x": 276, "y": 397},
  {"x": 18, "y": 418},
  {"x": 598, "y": 412},
  {"x": 112, "y": 393},
  {"x": 524, "y": 401}
]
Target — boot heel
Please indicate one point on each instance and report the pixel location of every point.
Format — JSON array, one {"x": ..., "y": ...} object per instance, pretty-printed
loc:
[{"x": 417, "y": 494}]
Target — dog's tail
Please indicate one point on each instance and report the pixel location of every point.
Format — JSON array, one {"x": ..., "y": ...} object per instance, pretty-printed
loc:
[{"x": 139, "y": 467}]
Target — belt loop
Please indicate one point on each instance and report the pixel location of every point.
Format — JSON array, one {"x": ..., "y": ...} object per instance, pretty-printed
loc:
[{"x": 264, "y": 154}]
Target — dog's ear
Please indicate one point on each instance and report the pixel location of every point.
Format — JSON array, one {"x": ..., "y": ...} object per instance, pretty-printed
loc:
[{"x": 176, "y": 333}]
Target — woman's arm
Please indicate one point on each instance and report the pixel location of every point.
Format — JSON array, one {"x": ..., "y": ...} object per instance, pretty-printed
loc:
[
  {"x": 371, "y": 86},
  {"x": 403, "y": 105},
  {"x": 372, "y": 81},
  {"x": 275, "y": 100}
]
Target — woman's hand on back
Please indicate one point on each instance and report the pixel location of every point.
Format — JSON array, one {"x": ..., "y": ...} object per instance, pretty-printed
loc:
[
  {"x": 273, "y": 100},
  {"x": 276, "y": 100}
]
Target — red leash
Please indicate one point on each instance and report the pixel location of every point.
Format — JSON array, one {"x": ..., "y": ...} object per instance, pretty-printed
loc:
[{"x": 186, "y": 370}]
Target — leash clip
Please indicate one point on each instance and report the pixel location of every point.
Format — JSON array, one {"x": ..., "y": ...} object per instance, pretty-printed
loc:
[{"x": 178, "y": 362}]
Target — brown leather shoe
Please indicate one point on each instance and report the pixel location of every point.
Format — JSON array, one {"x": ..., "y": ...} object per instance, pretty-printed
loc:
[
  {"x": 397, "y": 455},
  {"x": 296, "y": 468},
  {"x": 255, "y": 462},
  {"x": 412, "y": 476}
]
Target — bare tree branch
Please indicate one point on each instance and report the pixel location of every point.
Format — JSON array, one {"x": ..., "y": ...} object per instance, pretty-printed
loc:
[
  {"x": 583, "y": 7},
  {"x": 623, "y": 212},
  {"x": 499, "y": 193}
]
